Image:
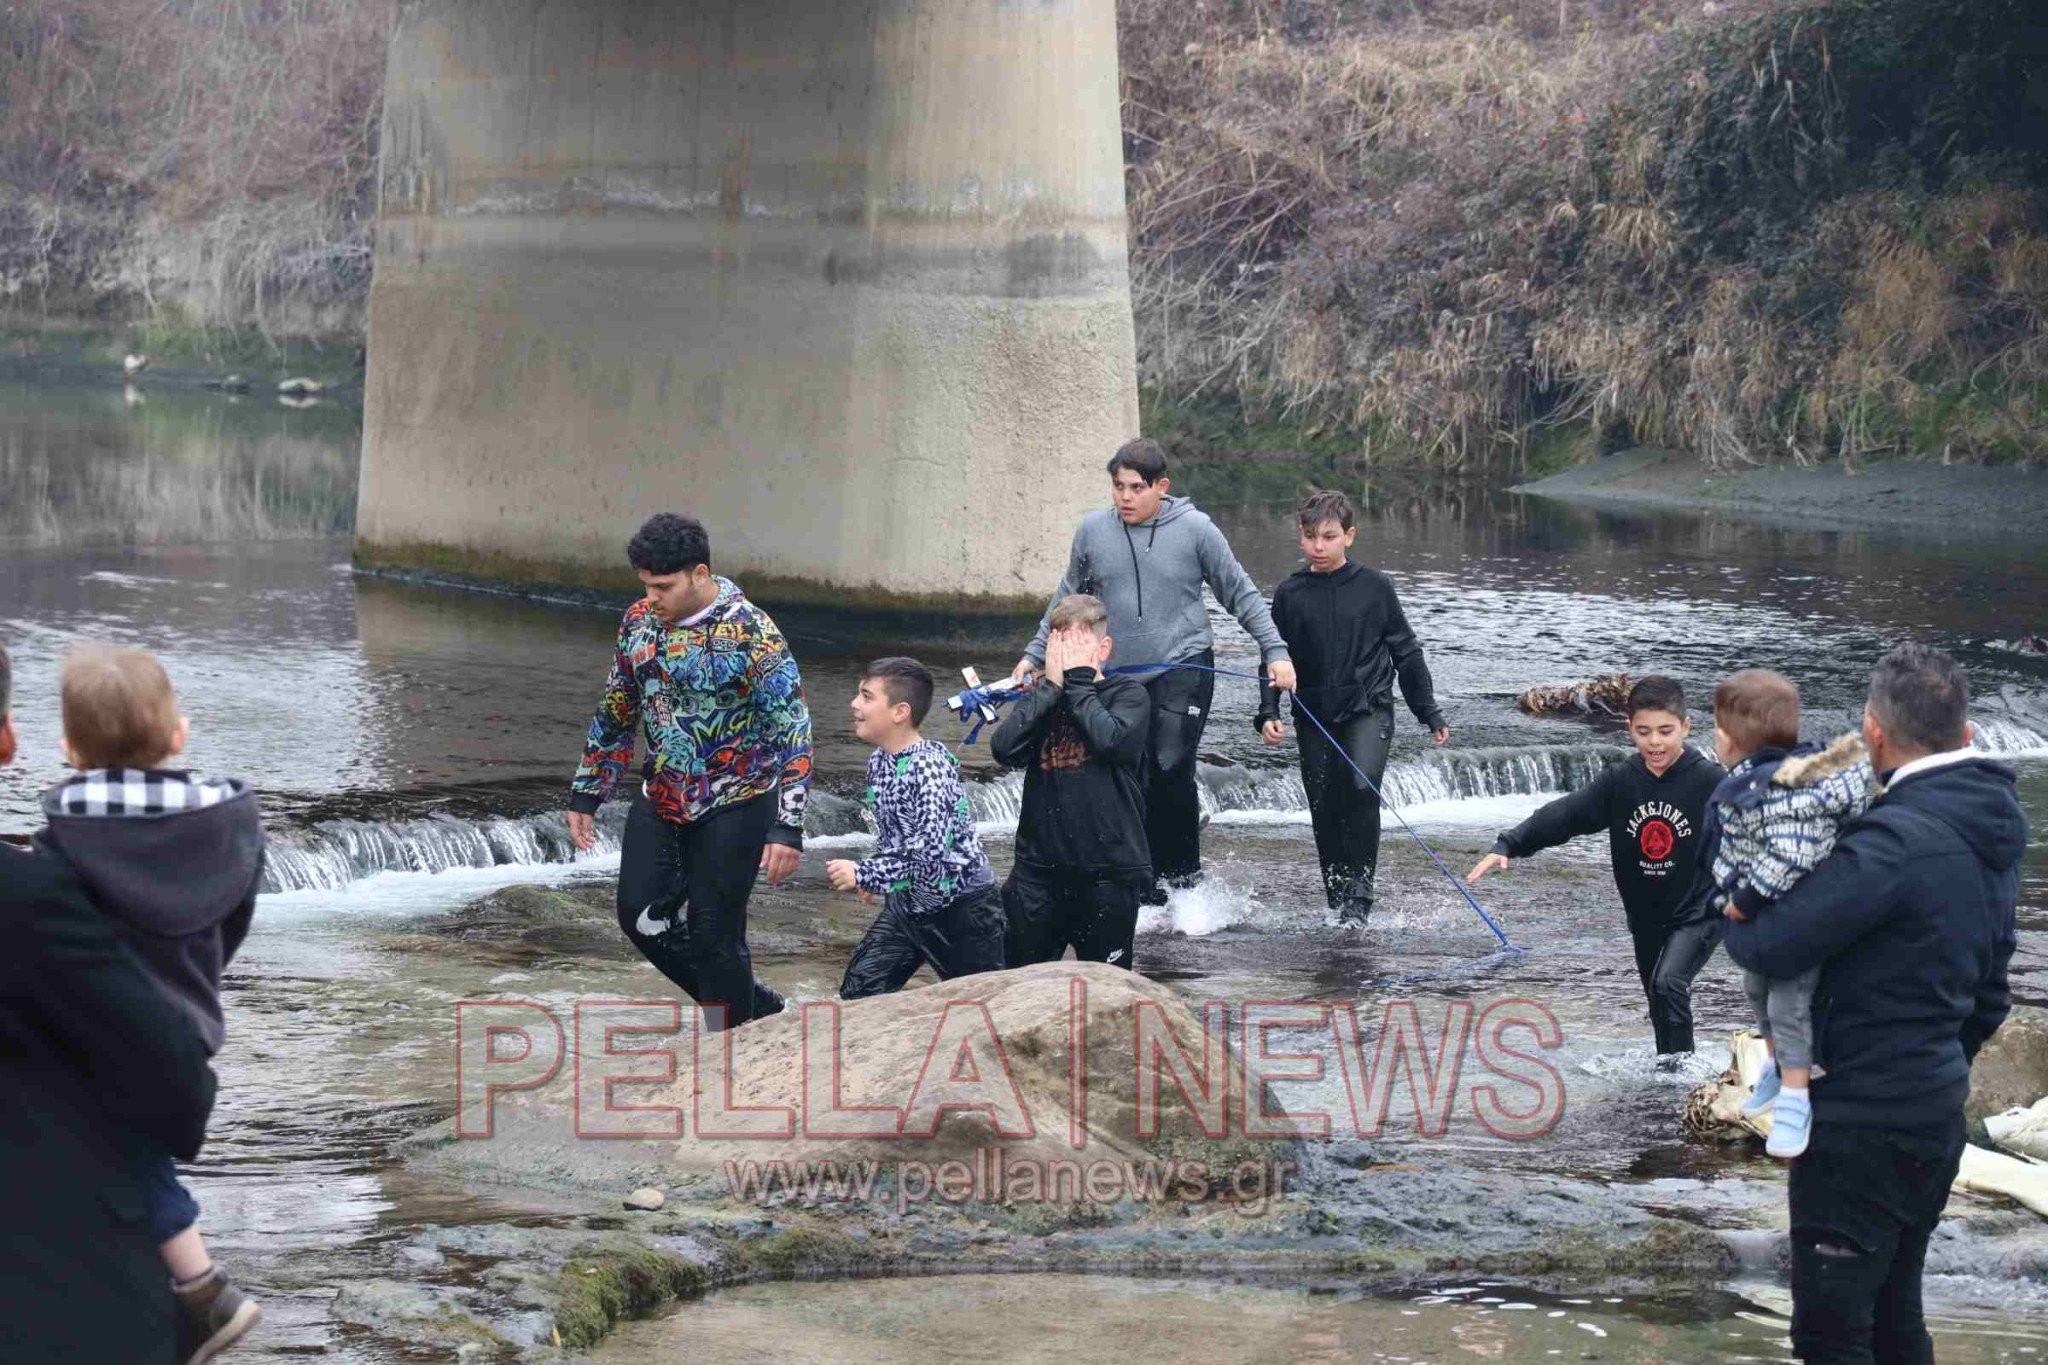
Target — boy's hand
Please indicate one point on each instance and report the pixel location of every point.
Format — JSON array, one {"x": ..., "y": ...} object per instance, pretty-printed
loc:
[
  {"x": 1062, "y": 652},
  {"x": 1440, "y": 736},
  {"x": 582, "y": 831},
  {"x": 1728, "y": 909},
  {"x": 1492, "y": 862},
  {"x": 1281, "y": 674},
  {"x": 779, "y": 862},
  {"x": 844, "y": 874},
  {"x": 1273, "y": 732}
]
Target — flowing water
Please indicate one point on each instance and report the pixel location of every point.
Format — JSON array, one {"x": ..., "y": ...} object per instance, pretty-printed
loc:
[{"x": 412, "y": 745}]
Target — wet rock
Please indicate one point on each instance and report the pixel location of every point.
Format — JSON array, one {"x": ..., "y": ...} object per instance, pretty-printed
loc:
[
  {"x": 930, "y": 1055},
  {"x": 2011, "y": 1071},
  {"x": 519, "y": 925},
  {"x": 419, "y": 1313},
  {"x": 647, "y": 1198}
]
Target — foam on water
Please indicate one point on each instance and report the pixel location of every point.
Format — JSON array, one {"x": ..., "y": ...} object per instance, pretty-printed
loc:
[{"x": 1199, "y": 911}]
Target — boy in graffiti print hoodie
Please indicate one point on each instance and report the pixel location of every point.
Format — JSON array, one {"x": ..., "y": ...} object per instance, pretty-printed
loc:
[{"x": 176, "y": 861}]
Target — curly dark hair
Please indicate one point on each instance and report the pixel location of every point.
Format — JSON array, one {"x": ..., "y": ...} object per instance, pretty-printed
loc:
[{"x": 669, "y": 542}]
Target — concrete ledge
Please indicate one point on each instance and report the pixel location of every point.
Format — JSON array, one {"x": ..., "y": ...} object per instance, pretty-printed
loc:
[{"x": 550, "y": 580}]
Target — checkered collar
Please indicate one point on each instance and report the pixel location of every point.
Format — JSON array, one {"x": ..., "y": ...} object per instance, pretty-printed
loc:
[{"x": 136, "y": 791}]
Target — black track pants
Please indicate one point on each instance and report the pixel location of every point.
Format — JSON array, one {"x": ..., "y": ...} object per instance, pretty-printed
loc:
[
  {"x": 1173, "y": 801},
  {"x": 1675, "y": 956},
  {"x": 1049, "y": 909},
  {"x": 1865, "y": 1202},
  {"x": 960, "y": 938},
  {"x": 1344, "y": 808},
  {"x": 692, "y": 883}
]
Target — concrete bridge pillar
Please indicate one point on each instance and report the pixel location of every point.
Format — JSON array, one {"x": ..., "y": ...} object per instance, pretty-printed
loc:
[{"x": 844, "y": 278}]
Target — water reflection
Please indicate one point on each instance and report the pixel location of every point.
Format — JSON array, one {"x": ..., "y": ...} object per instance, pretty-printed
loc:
[{"x": 83, "y": 467}]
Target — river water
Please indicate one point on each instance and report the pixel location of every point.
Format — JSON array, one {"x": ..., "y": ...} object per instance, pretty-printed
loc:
[{"x": 413, "y": 744}]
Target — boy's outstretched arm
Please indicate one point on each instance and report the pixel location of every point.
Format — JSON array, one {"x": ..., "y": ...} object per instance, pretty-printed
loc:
[
  {"x": 1114, "y": 731},
  {"x": 1015, "y": 742},
  {"x": 1570, "y": 816}
]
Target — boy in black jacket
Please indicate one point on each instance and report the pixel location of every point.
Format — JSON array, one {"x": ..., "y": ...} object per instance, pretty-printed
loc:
[
  {"x": 1350, "y": 644},
  {"x": 1082, "y": 860},
  {"x": 1653, "y": 806}
]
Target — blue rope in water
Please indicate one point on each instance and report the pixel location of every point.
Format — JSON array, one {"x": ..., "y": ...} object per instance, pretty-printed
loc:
[{"x": 974, "y": 699}]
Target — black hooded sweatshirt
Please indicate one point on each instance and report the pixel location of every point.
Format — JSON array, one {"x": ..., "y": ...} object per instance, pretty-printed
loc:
[
  {"x": 1911, "y": 921},
  {"x": 1653, "y": 829},
  {"x": 1082, "y": 748},
  {"x": 179, "y": 876},
  {"x": 1351, "y": 644}
]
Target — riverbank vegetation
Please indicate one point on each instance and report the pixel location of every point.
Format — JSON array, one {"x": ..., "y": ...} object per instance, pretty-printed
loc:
[
  {"x": 198, "y": 164},
  {"x": 1448, "y": 227},
  {"x": 1468, "y": 236}
]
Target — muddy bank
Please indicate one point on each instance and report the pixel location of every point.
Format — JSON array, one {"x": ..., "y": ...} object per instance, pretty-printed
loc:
[{"x": 1913, "y": 499}]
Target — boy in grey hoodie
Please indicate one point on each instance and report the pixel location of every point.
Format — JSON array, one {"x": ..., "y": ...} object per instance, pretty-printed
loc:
[
  {"x": 176, "y": 861},
  {"x": 1147, "y": 556}
]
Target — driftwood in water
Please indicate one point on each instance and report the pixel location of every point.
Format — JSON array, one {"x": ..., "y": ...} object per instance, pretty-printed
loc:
[{"x": 1605, "y": 695}]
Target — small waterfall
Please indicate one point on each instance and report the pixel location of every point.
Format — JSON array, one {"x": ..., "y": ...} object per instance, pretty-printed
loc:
[{"x": 330, "y": 854}]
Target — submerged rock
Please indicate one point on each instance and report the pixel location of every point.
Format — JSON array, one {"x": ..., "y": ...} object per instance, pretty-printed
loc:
[
  {"x": 2011, "y": 1070},
  {"x": 646, "y": 1198}
]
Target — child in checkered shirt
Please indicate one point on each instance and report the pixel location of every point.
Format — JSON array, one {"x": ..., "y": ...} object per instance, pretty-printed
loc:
[
  {"x": 940, "y": 906},
  {"x": 176, "y": 860}
]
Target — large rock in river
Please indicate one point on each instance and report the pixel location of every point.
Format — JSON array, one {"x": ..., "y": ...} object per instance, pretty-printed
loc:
[{"x": 950, "y": 1072}]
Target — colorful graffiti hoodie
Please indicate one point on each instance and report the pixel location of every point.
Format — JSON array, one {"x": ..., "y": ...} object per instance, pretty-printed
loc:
[{"x": 723, "y": 707}]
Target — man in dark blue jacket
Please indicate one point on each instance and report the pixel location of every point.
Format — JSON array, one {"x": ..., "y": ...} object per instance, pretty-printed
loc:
[{"x": 1910, "y": 921}]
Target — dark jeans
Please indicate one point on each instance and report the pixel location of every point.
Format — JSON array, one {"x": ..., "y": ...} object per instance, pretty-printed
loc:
[
  {"x": 698, "y": 878},
  {"x": 960, "y": 938},
  {"x": 1668, "y": 959},
  {"x": 1051, "y": 908},
  {"x": 1344, "y": 809},
  {"x": 1864, "y": 1203},
  {"x": 1173, "y": 799},
  {"x": 171, "y": 1206}
]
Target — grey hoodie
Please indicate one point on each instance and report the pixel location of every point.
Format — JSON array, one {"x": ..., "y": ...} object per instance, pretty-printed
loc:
[
  {"x": 181, "y": 881},
  {"x": 1150, "y": 577}
]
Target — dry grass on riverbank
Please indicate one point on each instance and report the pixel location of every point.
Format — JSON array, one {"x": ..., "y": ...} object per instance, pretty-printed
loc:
[
  {"x": 1810, "y": 229},
  {"x": 216, "y": 158}
]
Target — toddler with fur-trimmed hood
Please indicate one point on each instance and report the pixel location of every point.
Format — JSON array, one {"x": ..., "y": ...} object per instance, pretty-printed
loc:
[
  {"x": 1771, "y": 821},
  {"x": 176, "y": 861}
]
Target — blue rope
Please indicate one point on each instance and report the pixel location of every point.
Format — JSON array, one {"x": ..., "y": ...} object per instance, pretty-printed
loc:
[{"x": 976, "y": 698}]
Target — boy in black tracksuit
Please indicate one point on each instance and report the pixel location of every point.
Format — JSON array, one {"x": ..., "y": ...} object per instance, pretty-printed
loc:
[
  {"x": 1350, "y": 644},
  {"x": 1653, "y": 806},
  {"x": 1082, "y": 860}
]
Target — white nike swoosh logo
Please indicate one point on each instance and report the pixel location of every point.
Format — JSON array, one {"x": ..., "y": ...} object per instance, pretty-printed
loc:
[{"x": 651, "y": 927}]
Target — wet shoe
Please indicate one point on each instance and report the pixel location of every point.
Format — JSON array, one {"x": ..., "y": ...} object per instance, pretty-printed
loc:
[
  {"x": 1767, "y": 1084},
  {"x": 1791, "y": 1124},
  {"x": 1353, "y": 914},
  {"x": 1671, "y": 1063},
  {"x": 212, "y": 1316}
]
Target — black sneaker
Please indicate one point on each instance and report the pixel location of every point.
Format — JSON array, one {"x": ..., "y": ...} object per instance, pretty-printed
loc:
[
  {"x": 212, "y": 1316},
  {"x": 1353, "y": 914}
]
